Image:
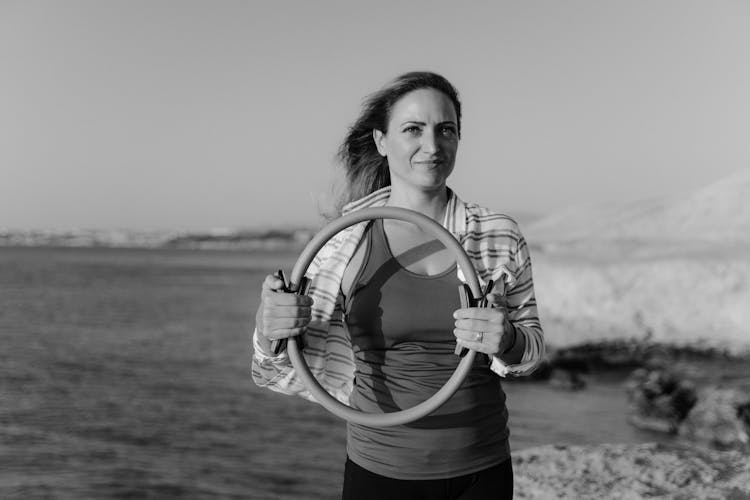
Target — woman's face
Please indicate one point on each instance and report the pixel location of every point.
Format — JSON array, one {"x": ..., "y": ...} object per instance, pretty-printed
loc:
[{"x": 421, "y": 141}]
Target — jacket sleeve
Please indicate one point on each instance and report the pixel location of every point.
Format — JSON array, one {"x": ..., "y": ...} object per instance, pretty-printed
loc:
[
  {"x": 327, "y": 351},
  {"x": 522, "y": 313}
]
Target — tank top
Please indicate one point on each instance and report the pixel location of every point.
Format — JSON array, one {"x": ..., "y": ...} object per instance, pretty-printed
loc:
[{"x": 401, "y": 326}]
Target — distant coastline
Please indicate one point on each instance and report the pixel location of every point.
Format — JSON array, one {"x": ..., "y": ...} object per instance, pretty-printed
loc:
[{"x": 215, "y": 239}]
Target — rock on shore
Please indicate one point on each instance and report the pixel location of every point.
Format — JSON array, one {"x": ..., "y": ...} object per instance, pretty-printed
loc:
[{"x": 630, "y": 471}]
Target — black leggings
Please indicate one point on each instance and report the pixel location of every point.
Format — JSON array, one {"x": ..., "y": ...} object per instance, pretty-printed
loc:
[{"x": 495, "y": 483}]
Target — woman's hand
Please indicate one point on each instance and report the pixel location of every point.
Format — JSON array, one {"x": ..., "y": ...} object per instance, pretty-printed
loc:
[
  {"x": 280, "y": 315},
  {"x": 483, "y": 329}
]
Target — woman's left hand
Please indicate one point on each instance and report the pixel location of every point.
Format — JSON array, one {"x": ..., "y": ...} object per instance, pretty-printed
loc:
[{"x": 483, "y": 329}]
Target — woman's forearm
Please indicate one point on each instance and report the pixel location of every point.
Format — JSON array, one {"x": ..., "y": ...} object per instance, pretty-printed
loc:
[
  {"x": 514, "y": 354},
  {"x": 261, "y": 340}
]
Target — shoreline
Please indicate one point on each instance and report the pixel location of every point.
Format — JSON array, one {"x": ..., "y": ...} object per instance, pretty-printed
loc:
[
  {"x": 630, "y": 471},
  {"x": 627, "y": 355}
]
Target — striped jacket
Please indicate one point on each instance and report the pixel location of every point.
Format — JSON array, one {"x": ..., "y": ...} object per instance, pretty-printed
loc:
[{"x": 495, "y": 246}]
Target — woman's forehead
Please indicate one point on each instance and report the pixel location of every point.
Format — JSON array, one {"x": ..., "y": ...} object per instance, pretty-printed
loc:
[{"x": 425, "y": 105}]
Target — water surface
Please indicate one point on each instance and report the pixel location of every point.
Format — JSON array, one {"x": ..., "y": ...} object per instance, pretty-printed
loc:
[{"x": 125, "y": 374}]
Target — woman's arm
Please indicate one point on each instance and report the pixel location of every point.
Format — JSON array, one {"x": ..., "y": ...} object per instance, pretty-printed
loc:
[
  {"x": 280, "y": 315},
  {"x": 326, "y": 352},
  {"x": 511, "y": 331},
  {"x": 519, "y": 302},
  {"x": 327, "y": 349}
]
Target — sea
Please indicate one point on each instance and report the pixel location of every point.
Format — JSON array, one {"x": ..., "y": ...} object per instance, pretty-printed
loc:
[{"x": 125, "y": 373}]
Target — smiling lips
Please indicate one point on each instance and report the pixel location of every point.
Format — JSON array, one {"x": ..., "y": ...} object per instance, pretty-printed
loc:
[{"x": 429, "y": 163}]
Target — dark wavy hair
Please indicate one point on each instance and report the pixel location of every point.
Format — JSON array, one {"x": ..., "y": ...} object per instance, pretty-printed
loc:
[{"x": 365, "y": 170}]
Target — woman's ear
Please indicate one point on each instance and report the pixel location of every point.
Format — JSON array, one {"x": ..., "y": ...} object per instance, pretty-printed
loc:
[{"x": 379, "y": 138}]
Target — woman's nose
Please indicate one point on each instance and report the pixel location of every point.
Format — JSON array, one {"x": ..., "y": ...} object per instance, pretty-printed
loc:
[{"x": 429, "y": 142}]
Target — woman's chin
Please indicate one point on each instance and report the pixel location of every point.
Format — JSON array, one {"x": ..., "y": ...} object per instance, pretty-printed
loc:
[{"x": 425, "y": 180}]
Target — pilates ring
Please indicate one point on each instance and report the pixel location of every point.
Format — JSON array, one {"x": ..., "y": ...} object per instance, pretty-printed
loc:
[{"x": 298, "y": 361}]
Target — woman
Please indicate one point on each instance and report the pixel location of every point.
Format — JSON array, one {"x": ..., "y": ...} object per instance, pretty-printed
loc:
[{"x": 383, "y": 314}]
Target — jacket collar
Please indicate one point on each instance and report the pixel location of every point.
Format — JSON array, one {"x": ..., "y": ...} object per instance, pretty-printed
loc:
[{"x": 455, "y": 212}]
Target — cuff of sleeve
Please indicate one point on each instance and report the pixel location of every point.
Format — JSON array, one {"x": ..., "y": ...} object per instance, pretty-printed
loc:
[
  {"x": 526, "y": 366},
  {"x": 499, "y": 367},
  {"x": 502, "y": 368},
  {"x": 261, "y": 355}
]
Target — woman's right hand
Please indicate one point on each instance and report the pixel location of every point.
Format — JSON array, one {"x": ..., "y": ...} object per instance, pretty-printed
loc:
[{"x": 281, "y": 314}]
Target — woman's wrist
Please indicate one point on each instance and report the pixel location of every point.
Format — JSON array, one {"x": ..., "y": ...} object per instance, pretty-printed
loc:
[
  {"x": 513, "y": 353},
  {"x": 261, "y": 341},
  {"x": 514, "y": 333},
  {"x": 264, "y": 345}
]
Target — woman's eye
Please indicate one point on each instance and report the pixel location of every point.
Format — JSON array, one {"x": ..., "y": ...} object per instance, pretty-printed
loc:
[
  {"x": 411, "y": 130},
  {"x": 448, "y": 131}
]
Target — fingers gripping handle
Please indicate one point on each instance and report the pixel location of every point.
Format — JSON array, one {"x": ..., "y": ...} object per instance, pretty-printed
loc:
[
  {"x": 468, "y": 300},
  {"x": 279, "y": 345}
]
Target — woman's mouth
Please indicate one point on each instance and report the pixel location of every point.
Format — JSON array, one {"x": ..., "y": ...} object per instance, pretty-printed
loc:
[{"x": 429, "y": 163}]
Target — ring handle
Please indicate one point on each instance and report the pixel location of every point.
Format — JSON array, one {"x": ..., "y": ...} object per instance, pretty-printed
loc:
[{"x": 298, "y": 361}]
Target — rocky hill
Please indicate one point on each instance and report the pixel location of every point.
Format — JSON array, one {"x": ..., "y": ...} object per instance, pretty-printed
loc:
[
  {"x": 675, "y": 271},
  {"x": 719, "y": 212}
]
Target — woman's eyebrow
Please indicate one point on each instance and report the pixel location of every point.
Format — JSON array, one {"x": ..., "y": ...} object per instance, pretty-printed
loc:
[{"x": 415, "y": 122}]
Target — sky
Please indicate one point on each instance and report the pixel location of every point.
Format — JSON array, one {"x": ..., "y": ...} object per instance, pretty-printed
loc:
[{"x": 191, "y": 115}]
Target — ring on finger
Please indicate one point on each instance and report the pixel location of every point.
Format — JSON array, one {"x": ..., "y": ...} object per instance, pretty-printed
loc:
[{"x": 480, "y": 336}]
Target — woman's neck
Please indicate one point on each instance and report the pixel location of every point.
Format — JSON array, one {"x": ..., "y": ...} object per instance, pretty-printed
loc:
[{"x": 430, "y": 203}]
